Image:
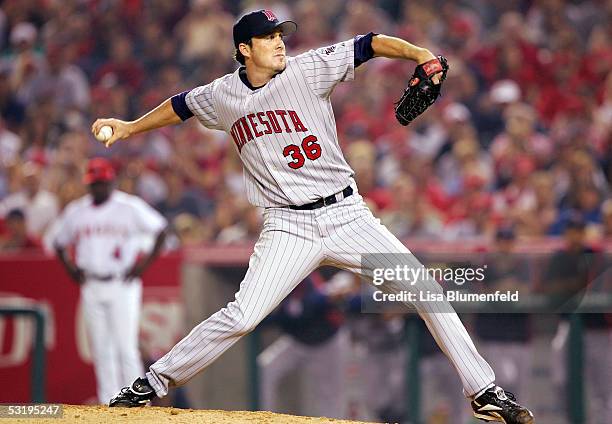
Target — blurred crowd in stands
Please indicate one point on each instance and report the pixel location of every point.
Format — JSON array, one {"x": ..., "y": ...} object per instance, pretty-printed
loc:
[{"x": 520, "y": 138}]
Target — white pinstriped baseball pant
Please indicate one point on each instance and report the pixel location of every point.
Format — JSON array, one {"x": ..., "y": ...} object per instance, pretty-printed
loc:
[{"x": 293, "y": 243}]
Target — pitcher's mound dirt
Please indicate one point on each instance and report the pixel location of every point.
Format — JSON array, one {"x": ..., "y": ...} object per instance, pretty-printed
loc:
[{"x": 103, "y": 414}]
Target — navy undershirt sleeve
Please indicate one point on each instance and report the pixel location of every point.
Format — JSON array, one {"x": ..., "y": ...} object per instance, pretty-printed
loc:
[
  {"x": 180, "y": 106},
  {"x": 363, "y": 48}
]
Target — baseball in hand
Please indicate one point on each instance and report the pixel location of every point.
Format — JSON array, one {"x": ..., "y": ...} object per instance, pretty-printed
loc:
[{"x": 105, "y": 133}]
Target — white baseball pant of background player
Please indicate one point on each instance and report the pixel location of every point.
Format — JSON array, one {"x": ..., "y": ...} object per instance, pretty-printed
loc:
[
  {"x": 294, "y": 243},
  {"x": 106, "y": 248},
  {"x": 112, "y": 315}
]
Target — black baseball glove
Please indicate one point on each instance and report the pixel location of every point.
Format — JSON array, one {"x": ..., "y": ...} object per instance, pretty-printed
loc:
[{"x": 422, "y": 92}]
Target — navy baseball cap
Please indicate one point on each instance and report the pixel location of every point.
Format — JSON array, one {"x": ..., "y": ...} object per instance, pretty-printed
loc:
[{"x": 260, "y": 22}]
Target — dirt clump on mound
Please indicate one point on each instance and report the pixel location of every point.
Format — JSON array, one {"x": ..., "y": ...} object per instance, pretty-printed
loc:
[{"x": 80, "y": 414}]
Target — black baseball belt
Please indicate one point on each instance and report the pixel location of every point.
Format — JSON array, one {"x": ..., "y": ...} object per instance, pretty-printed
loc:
[
  {"x": 325, "y": 201},
  {"x": 102, "y": 277}
]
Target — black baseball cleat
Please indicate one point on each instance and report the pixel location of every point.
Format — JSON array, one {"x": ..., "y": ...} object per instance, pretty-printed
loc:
[
  {"x": 138, "y": 394},
  {"x": 497, "y": 405}
]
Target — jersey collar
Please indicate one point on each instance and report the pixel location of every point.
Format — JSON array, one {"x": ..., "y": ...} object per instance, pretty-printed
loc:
[{"x": 243, "y": 77}]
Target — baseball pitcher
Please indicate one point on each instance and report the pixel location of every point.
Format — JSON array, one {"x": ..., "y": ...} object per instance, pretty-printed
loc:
[{"x": 277, "y": 111}]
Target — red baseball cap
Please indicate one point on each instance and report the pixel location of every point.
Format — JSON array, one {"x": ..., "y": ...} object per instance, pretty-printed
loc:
[{"x": 99, "y": 169}]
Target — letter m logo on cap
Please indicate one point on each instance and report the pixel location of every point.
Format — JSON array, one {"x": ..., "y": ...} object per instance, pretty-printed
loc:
[{"x": 270, "y": 15}]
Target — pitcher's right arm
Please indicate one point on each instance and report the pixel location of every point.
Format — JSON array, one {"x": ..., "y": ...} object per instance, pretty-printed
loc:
[{"x": 161, "y": 116}]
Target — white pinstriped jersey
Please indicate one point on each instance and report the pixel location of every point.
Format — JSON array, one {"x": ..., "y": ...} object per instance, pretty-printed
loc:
[{"x": 285, "y": 131}]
